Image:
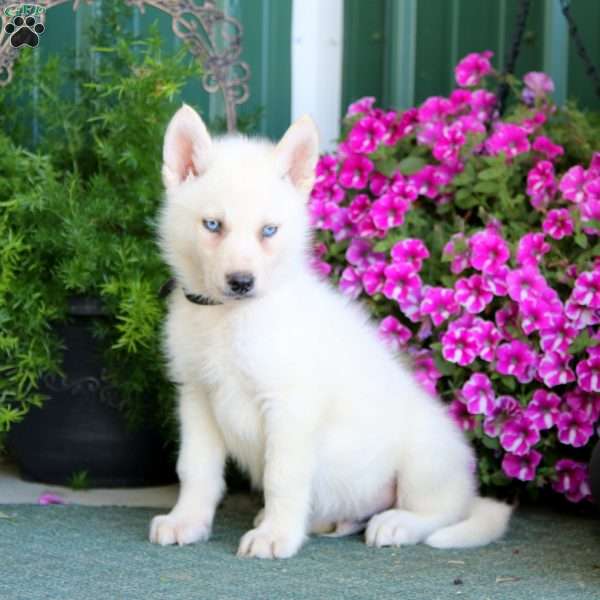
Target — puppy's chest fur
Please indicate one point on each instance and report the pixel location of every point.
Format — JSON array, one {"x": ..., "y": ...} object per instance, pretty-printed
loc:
[{"x": 220, "y": 360}]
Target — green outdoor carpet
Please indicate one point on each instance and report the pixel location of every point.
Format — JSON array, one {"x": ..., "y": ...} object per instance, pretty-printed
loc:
[{"x": 80, "y": 553}]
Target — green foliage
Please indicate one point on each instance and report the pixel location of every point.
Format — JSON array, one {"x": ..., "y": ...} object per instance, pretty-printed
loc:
[
  {"x": 80, "y": 480},
  {"x": 77, "y": 216}
]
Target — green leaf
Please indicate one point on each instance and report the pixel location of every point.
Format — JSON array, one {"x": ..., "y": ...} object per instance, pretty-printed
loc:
[
  {"x": 410, "y": 165},
  {"x": 581, "y": 240},
  {"x": 492, "y": 173},
  {"x": 487, "y": 187}
]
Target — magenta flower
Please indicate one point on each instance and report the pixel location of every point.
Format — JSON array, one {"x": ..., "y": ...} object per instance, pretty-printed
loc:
[
  {"x": 522, "y": 467},
  {"x": 389, "y": 210},
  {"x": 496, "y": 282},
  {"x": 489, "y": 252},
  {"x": 483, "y": 103},
  {"x": 50, "y": 498},
  {"x": 587, "y": 289},
  {"x": 504, "y": 408},
  {"x": 410, "y": 251},
  {"x": 537, "y": 314},
  {"x": 326, "y": 170},
  {"x": 506, "y": 320},
  {"x": 558, "y": 336},
  {"x": 580, "y": 315},
  {"x": 525, "y": 283},
  {"x": 362, "y": 106},
  {"x": 588, "y": 374},
  {"x": 373, "y": 278},
  {"x": 508, "y": 138},
  {"x": 518, "y": 359},
  {"x": 543, "y": 410},
  {"x": 359, "y": 208},
  {"x": 488, "y": 337},
  {"x": 439, "y": 304},
  {"x": 448, "y": 144},
  {"x": 457, "y": 250},
  {"x": 435, "y": 108},
  {"x": 366, "y": 135},
  {"x": 470, "y": 70},
  {"x": 460, "y": 346},
  {"x": 394, "y": 334},
  {"x": 472, "y": 294},
  {"x": 457, "y": 409},
  {"x": 574, "y": 428},
  {"x": 539, "y": 84},
  {"x": 541, "y": 184},
  {"x": 410, "y": 305},
  {"x": 399, "y": 280},
  {"x": 554, "y": 369},
  {"x": 355, "y": 171},
  {"x": 558, "y": 223},
  {"x": 425, "y": 371},
  {"x": 479, "y": 394},
  {"x": 519, "y": 434},
  {"x": 590, "y": 211},
  {"x": 351, "y": 283},
  {"x": 571, "y": 184},
  {"x": 547, "y": 147},
  {"x": 428, "y": 181},
  {"x": 531, "y": 249},
  {"x": 572, "y": 480},
  {"x": 585, "y": 402}
]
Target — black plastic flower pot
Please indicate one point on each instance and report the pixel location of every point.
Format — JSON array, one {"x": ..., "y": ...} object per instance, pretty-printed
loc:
[
  {"x": 80, "y": 427},
  {"x": 595, "y": 474}
]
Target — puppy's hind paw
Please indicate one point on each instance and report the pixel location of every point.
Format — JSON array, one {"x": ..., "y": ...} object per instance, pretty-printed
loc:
[{"x": 176, "y": 529}]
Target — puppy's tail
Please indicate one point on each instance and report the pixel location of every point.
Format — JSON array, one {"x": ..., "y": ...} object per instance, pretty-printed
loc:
[{"x": 487, "y": 522}]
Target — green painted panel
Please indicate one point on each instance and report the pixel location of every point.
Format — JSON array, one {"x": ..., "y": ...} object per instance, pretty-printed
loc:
[
  {"x": 363, "y": 50},
  {"x": 587, "y": 18}
]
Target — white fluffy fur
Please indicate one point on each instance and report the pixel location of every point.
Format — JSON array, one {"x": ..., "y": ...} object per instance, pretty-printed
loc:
[{"x": 294, "y": 382}]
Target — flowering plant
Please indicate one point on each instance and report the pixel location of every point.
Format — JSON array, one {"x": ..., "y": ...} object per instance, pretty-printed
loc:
[{"x": 474, "y": 241}]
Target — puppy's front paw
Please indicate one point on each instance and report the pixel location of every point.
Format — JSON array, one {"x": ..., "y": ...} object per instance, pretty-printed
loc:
[
  {"x": 266, "y": 542},
  {"x": 178, "y": 529}
]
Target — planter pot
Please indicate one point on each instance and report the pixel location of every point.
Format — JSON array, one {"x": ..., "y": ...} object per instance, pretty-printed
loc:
[{"x": 79, "y": 428}]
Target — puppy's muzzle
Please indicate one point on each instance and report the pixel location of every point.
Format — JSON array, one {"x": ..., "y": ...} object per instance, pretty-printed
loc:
[{"x": 240, "y": 283}]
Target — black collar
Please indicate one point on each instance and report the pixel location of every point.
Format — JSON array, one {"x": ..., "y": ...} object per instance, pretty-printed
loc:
[{"x": 169, "y": 285}]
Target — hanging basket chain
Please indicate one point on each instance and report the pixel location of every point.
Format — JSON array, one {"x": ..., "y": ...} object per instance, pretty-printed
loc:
[
  {"x": 590, "y": 69},
  {"x": 513, "y": 54}
]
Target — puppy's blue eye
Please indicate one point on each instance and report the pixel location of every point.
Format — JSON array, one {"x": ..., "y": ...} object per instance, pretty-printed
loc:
[
  {"x": 269, "y": 231},
  {"x": 212, "y": 225}
]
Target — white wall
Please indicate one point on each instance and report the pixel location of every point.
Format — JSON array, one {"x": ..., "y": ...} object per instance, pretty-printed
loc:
[{"x": 317, "y": 40}]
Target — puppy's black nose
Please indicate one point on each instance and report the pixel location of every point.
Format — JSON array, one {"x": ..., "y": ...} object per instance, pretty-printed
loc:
[{"x": 240, "y": 282}]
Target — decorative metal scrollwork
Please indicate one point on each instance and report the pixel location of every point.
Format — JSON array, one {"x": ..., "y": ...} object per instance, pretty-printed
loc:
[
  {"x": 213, "y": 37},
  {"x": 85, "y": 387}
]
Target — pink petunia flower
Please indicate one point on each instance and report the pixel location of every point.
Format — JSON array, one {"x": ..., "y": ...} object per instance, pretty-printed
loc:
[
  {"x": 374, "y": 278},
  {"x": 586, "y": 402},
  {"x": 543, "y": 409},
  {"x": 458, "y": 251},
  {"x": 460, "y": 346},
  {"x": 470, "y": 70},
  {"x": 410, "y": 251},
  {"x": 538, "y": 83},
  {"x": 588, "y": 374},
  {"x": 365, "y": 135},
  {"x": 351, "y": 283},
  {"x": 483, "y": 103},
  {"x": 547, "y": 147},
  {"x": 574, "y": 428},
  {"x": 362, "y": 106},
  {"x": 518, "y": 359},
  {"x": 587, "y": 289},
  {"x": 572, "y": 480},
  {"x": 537, "y": 314},
  {"x": 488, "y": 337},
  {"x": 558, "y": 223},
  {"x": 410, "y": 304},
  {"x": 524, "y": 283},
  {"x": 581, "y": 316},
  {"x": 355, "y": 171},
  {"x": 479, "y": 394},
  {"x": 496, "y": 282},
  {"x": 472, "y": 294},
  {"x": 50, "y": 498},
  {"x": 541, "y": 184},
  {"x": 326, "y": 170},
  {"x": 489, "y": 252},
  {"x": 571, "y": 184},
  {"x": 447, "y": 147},
  {"x": 389, "y": 210},
  {"x": 522, "y": 467},
  {"x": 554, "y": 369},
  {"x": 504, "y": 408},
  {"x": 439, "y": 304},
  {"x": 457, "y": 410},
  {"x": 399, "y": 280},
  {"x": 506, "y": 319},
  {"x": 531, "y": 249},
  {"x": 359, "y": 208},
  {"x": 519, "y": 434},
  {"x": 394, "y": 334},
  {"x": 425, "y": 370},
  {"x": 510, "y": 139},
  {"x": 435, "y": 108}
]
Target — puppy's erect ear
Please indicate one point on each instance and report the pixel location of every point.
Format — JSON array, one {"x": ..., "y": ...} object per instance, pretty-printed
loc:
[
  {"x": 187, "y": 147},
  {"x": 297, "y": 153}
]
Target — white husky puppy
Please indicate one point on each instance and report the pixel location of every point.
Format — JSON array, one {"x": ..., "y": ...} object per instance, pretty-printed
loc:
[{"x": 287, "y": 376}]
